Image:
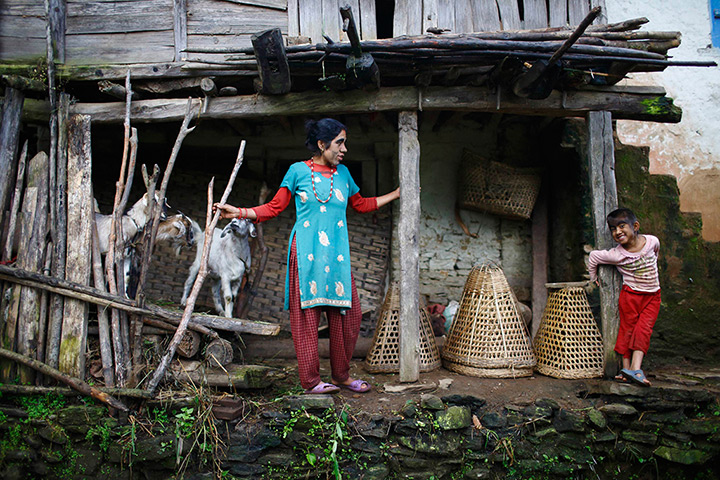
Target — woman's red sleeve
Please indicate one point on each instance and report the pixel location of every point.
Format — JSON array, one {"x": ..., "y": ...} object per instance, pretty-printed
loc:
[
  {"x": 274, "y": 207},
  {"x": 363, "y": 205}
]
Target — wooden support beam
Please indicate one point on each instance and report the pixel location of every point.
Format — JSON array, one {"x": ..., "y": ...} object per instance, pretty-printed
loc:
[
  {"x": 408, "y": 233},
  {"x": 539, "y": 260},
  {"x": 57, "y": 15},
  {"x": 79, "y": 241},
  {"x": 623, "y": 103},
  {"x": 273, "y": 68},
  {"x": 603, "y": 190}
]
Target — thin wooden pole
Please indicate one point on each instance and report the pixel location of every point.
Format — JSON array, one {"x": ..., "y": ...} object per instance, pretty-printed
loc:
[
  {"x": 408, "y": 232},
  {"x": 15, "y": 205},
  {"x": 603, "y": 189},
  {"x": 9, "y": 137},
  {"x": 202, "y": 273},
  {"x": 103, "y": 321},
  {"x": 73, "y": 383}
]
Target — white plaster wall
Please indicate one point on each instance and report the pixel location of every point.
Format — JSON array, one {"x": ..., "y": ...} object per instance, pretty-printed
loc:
[{"x": 689, "y": 150}]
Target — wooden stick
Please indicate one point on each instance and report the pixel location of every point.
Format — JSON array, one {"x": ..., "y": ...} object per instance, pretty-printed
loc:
[
  {"x": 73, "y": 383},
  {"x": 103, "y": 321},
  {"x": 33, "y": 390},
  {"x": 202, "y": 273}
]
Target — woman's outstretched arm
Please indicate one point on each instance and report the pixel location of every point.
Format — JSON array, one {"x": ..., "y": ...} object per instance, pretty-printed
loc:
[{"x": 388, "y": 197}]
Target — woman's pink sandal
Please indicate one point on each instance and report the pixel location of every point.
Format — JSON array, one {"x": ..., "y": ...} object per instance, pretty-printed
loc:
[
  {"x": 358, "y": 386},
  {"x": 322, "y": 388}
]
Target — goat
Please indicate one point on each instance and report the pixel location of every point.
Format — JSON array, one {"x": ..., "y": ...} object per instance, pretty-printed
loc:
[
  {"x": 228, "y": 261},
  {"x": 132, "y": 222},
  {"x": 176, "y": 230}
]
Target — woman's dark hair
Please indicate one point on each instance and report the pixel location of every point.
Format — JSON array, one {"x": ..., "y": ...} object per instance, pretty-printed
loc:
[{"x": 325, "y": 129}]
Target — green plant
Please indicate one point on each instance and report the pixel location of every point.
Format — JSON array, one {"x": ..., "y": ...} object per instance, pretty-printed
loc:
[
  {"x": 102, "y": 431},
  {"x": 41, "y": 407}
]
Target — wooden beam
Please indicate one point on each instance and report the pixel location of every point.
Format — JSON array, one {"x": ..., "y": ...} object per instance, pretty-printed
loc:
[
  {"x": 630, "y": 104},
  {"x": 603, "y": 191},
  {"x": 78, "y": 266},
  {"x": 269, "y": 48},
  {"x": 539, "y": 260},
  {"x": 408, "y": 233}
]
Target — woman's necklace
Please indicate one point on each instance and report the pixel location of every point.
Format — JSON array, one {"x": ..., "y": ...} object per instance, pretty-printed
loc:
[{"x": 312, "y": 179}]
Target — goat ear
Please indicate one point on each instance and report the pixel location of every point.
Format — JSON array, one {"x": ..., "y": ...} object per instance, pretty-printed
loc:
[
  {"x": 225, "y": 230},
  {"x": 253, "y": 230}
]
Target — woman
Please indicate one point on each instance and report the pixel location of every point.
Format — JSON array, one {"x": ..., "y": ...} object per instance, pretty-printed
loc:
[{"x": 318, "y": 276}]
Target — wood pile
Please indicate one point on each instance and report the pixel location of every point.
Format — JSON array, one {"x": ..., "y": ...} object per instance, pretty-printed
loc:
[
  {"x": 50, "y": 253},
  {"x": 598, "y": 55}
]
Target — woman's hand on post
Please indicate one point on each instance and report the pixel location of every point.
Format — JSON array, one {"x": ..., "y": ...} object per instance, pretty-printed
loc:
[{"x": 226, "y": 211}]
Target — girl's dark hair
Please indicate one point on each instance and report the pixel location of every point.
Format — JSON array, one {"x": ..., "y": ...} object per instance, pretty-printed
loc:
[
  {"x": 615, "y": 217},
  {"x": 325, "y": 129}
]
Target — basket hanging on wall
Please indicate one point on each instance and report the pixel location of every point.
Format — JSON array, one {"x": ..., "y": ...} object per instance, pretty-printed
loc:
[
  {"x": 493, "y": 187},
  {"x": 488, "y": 337},
  {"x": 384, "y": 354},
  {"x": 568, "y": 343}
]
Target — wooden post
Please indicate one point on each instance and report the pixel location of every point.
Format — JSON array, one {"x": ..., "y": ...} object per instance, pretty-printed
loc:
[
  {"x": 9, "y": 136},
  {"x": 408, "y": 227},
  {"x": 79, "y": 242},
  {"x": 540, "y": 260},
  {"x": 52, "y": 345},
  {"x": 57, "y": 13},
  {"x": 603, "y": 189},
  {"x": 34, "y": 226}
]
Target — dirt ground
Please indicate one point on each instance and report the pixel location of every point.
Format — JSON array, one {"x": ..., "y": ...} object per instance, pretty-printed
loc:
[{"x": 388, "y": 395}]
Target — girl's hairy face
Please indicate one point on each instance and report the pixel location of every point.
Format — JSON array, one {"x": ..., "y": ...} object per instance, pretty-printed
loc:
[{"x": 623, "y": 232}]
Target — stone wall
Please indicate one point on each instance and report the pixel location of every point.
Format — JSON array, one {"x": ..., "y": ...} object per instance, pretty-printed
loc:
[{"x": 625, "y": 432}]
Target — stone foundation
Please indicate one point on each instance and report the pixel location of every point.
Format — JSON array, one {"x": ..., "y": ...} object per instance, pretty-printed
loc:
[{"x": 624, "y": 432}]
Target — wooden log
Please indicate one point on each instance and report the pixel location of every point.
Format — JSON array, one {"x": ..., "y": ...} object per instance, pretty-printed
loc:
[
  {"x": 92, "y": 295},
  {"x": 269, "y": 49},
  {"x": 56, "y": 14},
  {"x": 52, "y": 345},
  {"x": 24, "y": 84},
  {"x": 73, "y": 383},
  {"x": 360, "y": 68},
  {"x": 218, "y": 353},
  {"x": 31, "y": 257},
  {"x": 78, "y": 268},
  {"x": 603, "y": 190},
  {"x": 189, "y": 346},
  {"x": 9, "y": 136},
  {"x": 408, "y": 233},
  {"x": 261, "y": 348},
  {"x": 208, "y": 87},
  {"x": 67, "y": 392},
  {"x": 239, "y": 377},
  {"x": 623, "y": 103}
]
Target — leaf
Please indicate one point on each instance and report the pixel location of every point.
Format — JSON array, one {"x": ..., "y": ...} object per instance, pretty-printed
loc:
[{"x": 311, "y": 458}]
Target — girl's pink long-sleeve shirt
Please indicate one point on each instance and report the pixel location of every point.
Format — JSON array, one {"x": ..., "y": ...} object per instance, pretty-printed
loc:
[{"x": 639, "y": 269}]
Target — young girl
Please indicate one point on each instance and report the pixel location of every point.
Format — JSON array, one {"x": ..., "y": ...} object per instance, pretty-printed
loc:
[{"x": 636, "y": 259}]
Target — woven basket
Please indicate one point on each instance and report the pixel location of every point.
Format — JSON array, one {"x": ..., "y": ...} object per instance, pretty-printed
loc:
[
  {"x": 384, "y": 354},
  {"x": 568, "y": 343},
  {"x": 493, "y": 187},
  {"x": 488, "y": 337}
]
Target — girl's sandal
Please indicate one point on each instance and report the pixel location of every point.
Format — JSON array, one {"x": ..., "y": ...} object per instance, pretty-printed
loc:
[
  {"x": 620, "y": 379},
  {"x": 635, "y": 376},
  {"x": 323, "y": 388}
]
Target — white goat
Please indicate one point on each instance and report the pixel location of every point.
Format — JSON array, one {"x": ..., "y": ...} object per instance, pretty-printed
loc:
[
  {"x": 229, "y": 260},
  {"x": 132, "y": 222}
]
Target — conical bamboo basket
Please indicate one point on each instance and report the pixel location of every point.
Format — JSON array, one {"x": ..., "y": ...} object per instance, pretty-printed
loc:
[
  {"x": 568, "y": 343},
  {"x": 384, "y": 354},
  {"x": 488, "y": 337}
]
